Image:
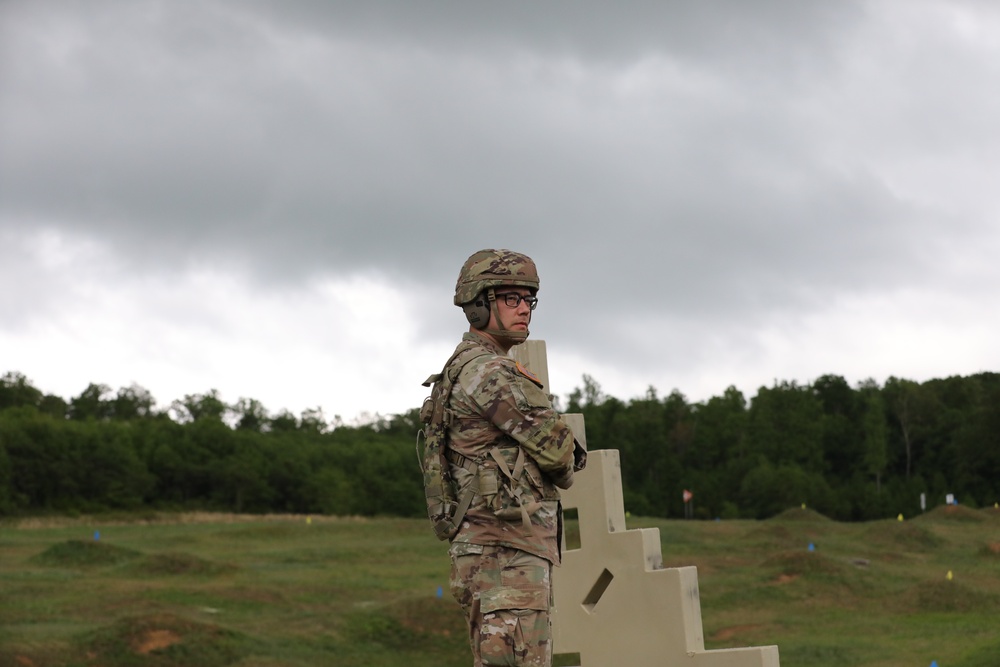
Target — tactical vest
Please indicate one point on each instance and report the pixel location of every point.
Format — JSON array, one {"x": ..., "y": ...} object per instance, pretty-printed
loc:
[{"x": 501, "y": 480}]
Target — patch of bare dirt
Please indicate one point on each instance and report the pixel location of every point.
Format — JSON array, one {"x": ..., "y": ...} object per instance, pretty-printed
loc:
[{"x": 155, "y": 640}]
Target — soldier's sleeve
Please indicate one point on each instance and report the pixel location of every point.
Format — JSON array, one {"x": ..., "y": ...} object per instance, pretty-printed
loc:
[{"x": 519, "y": 407}]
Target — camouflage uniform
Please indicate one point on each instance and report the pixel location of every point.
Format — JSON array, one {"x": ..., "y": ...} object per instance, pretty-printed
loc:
[{"x": 501, "y": 565}]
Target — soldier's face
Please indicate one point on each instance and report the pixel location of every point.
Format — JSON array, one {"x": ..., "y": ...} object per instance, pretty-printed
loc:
[{"x": 512, "y": 319}]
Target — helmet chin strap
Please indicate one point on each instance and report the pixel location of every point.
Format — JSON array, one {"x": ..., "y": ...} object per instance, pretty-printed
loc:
[{"x": 502, "y": 334}]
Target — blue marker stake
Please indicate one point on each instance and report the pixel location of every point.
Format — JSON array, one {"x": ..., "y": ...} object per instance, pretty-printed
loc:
[
  {"x": 97, "y": 535},
  {"x": 812, "y": 547},
  {"x": 933, "y": 663},
  {"x": 440, "y": 592}
]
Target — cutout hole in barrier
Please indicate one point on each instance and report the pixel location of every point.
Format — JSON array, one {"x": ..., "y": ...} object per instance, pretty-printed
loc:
[
  {"x": 571, "y": 529},
  {"x": 597, "y": 590}
]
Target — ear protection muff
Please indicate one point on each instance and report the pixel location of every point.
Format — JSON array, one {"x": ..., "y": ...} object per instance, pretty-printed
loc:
[{"x": 477, "y": 311}]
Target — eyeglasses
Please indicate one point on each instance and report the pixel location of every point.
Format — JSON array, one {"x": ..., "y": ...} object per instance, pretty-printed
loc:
[{"x": 513, "y": 300}]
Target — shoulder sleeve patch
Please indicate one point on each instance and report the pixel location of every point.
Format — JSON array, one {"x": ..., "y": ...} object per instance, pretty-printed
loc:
[{"x": 528, "y": 374}]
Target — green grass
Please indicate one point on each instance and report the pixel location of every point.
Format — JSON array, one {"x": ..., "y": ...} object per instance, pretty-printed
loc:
[{"x": 269, "y": 591}]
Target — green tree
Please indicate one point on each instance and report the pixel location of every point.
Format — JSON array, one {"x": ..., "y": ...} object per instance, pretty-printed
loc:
[
  {"x": 770, "y": 489},
  {"x": 291, "y": 462},
  {"x": 785, "y": 426},
  {"x": 132, "y": 402},
  {"x": 876, "y": 451},
  {"x": 589, "y": 396},
  {"x": 92, "y": 403},
  {"x": 109, "y": 473},
  {"x": 841, "y": 426},
  {"x": 241, "y": 473},
  {"x": 16, "y": 390},
  {"x": 720, "y": 431},
  {"x": 313, "y": 421},
  {"x": 903, "y": 398},
  {"x": 194, "y": 407},
  {"x": 182, "y": 457},
  {"x": 283, "y": 422},
  {"x": 717, "y": 460},
  {"x": 250, "y": 415},
  {"x": 331, "y": 491},
  {"x": 53, "y": 406},
  {"x": 382, "y": 470},
  {"x": 43, "y": 463},
  {"x": 977, "y": 468},
  {"x": 6, "y": 492}
]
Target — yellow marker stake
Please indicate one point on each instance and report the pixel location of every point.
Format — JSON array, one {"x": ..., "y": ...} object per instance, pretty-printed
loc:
[
  {"x": 309, "y": 520},
  {"x": 949, "y": 576},
  {"x": 803, "y": 505},
  {"x": 900, "y": 517}
]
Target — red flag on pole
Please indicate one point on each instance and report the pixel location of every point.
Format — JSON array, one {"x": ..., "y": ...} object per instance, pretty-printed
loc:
[{"x": 687, "y": 496}]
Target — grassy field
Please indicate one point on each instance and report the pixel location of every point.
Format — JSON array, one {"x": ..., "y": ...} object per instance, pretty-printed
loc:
[{"x": 211, "y": 590}]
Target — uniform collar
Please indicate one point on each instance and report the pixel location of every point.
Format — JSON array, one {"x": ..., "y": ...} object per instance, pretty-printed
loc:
[{"x": 488, "y": 343}]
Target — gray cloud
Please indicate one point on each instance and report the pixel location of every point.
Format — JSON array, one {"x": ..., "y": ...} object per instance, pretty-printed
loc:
[{"x": 704, "y": 165}]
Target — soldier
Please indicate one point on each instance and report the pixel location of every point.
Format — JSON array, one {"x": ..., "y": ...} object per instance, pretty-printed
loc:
[{"x": 509, "y": 450}]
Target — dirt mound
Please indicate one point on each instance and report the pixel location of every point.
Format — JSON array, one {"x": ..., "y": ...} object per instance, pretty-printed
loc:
[
  {"x": 944, "y": 595},
  {"x": 181, "y": 564},
  {"x": 787, "y": 536},
  {"x": 156, "y": 640},
  {"x": 799, "y": 514},
  {"x": 773, "y": 532},
  {"x": 991, "y": 550},
  {"x": 163, "y": 640},
  {"x": 426, "y": 623},
  {"x": 954, "y": 513},
  {"x": 901, "y": 536},
  {"x": 84, "y": 553}
]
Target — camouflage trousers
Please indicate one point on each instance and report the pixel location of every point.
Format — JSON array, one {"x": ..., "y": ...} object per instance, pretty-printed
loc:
[{"x": 505, "y": 594}]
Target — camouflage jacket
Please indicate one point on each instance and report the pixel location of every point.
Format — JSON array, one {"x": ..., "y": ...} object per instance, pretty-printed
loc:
[{"x": 497, "y": 404}]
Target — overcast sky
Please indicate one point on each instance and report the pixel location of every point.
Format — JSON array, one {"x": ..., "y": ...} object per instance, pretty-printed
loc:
[{"x": 272, "y": 198}]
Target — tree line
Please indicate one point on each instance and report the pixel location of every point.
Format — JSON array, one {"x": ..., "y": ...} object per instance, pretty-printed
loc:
[
  {"x": 852, "y": 453},
  {"x": 105, "y": 450}
]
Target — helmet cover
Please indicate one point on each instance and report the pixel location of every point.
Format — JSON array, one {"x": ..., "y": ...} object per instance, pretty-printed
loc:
[{"x": 493, "y": 268}]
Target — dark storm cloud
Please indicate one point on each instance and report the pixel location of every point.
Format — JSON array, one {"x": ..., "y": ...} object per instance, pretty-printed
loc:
[
  {"x": 713, "y": 30},
  {"x": 288, "y": 132}
]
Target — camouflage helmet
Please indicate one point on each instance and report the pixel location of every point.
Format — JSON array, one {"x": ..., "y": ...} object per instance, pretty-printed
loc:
[{"x": 493, "y": 268}]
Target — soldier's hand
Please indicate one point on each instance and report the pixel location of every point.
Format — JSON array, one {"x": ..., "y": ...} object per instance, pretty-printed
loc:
[
  {"x": 579, "y": 456},
  {"x": 563, "y": 481}
]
